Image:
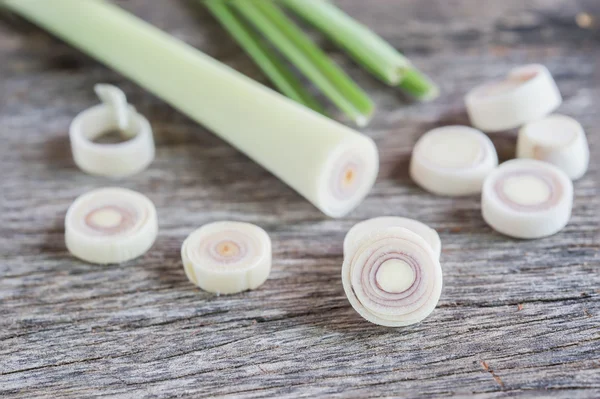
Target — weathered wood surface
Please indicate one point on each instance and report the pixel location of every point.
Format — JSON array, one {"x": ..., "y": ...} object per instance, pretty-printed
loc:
[{"x": 515, "y": 317}]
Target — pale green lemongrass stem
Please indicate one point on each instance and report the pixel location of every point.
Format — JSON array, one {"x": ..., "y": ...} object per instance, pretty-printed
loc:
[
  {"x": 365, "y": 46},
  {"x": 308, "y": 58},
  {"x": 328, "y": 163},
  {"x": 263, "y": 56}
]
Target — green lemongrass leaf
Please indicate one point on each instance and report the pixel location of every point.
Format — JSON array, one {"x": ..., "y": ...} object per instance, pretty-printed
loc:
[
  {"x": 263, "y": 56},
  {"x": 308, "y": 58},
  {"x": 366, "y": 47}
]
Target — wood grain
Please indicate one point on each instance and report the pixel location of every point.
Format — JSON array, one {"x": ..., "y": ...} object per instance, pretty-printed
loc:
[{"x": 516, "y": 318}]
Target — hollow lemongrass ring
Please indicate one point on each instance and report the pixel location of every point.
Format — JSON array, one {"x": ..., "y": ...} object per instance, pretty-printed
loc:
[
  {"x": 371, "y": 226},
  {"x": 227, "y": 257},
  {"x": 527, "y": 199},
  {"x": 556, "y": 139},
  {"x": 452, "y": 160},
  {"x": 113, "y": 160},
  {"x": 528, "y": 93},
  {"x": 392, "y": 277},
  {"x": 110, "y": 225}
]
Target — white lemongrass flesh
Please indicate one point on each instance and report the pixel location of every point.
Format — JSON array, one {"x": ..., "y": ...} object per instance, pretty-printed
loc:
[
  {"x": 453, "y": 160},
  {"x": 110, "y": 225},
  {"x": 371, "y": 226},
  {"x": 528, "y": 93},
  {"x": 227, "y": 257},
  {"x": 559, "y": 140},
  {"x": 525, "y": 198},
  {"x": 331, "y": 165},
  {"x": 392, "y": 277},
  {"x": 116, "y": 159}
]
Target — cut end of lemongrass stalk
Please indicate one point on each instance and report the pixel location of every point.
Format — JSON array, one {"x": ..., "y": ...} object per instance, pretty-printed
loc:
[
  {"x": 392, "y": 277},
  {"x": 110, "y": 225},
  {"x": 227, "y": 257},
  {"x": 418, "y": 85}
]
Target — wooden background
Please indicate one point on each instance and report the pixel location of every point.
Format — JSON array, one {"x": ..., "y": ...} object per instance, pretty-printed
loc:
[{"x": 515, "y": 317}]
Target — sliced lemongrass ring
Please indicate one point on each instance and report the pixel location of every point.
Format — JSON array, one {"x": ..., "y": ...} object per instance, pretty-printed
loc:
[
  {"x": 557, "y": 139},
  {"x": 110, "y": 225},
  {"x": 528, "y": 93},
  {"x": 367, "y": 227},
  {"x": 525, "y": 198},
  {"x": 453, "y": 160},
  {"x": 113, "y": 160},
  {"x": 227, "y": 257},
  {"x": 392, "y": 277}
]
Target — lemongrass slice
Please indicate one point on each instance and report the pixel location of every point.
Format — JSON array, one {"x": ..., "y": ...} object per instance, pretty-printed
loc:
[
  {"x": 453, "y": 160},
  {"x": 110, "y": 225},
  {"x": 117, "y": 159},
  {"x": 557, "y": 139},
  {"x": 392, "y": 278},
  {"x": 331, "y": 165},
  {"x": 525, "y": 198},
  {"x": 227, "y": 257},
  {"x": 371, "y": 226},
  {"x": 528, "y": 93}
]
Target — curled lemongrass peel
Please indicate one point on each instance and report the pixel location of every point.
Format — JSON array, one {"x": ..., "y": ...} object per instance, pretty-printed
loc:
[
  {"x": 528, "y": 93},
  {"x": 334, "y": 167},
  {"x": 113, "y": 160},
  {"x": 556, "y": 139},
  {"x": 110, "y": 225},
  {"x": 227, "y": 257},
  {"x": 453, "y": 160},
  {"x": 527, "y": 199},
  {"x": 392, "y": 277},
  {"x": 360, "y": 230}
]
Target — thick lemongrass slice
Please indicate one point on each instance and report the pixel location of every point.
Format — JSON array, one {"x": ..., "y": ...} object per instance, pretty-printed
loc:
[
  {"x": 227, "y": 257},
  {"x": 453, "y": 160},
  {"x": 559, "y": 140},
  {"x": 331, "y": 165},
  {"x": 371, "y": 226},
  {"x": 366, "y": 47},
  {"x": 291, "y": 41},
  {"x": 528, "y": 93},
  {"x": 263, "y": 55},
  {"x": 392, "y": 277},
  {"x": 110, "y": 225},
  {"x": 525, "y": 198}
]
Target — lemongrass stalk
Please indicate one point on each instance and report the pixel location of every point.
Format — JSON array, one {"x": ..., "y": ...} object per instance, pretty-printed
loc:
[
  {"x": 308, "y": 58},
  {"x": 331, "y": 165},
  {"x": 366, "y": 47},
  {"x": 263, "y": 56}
]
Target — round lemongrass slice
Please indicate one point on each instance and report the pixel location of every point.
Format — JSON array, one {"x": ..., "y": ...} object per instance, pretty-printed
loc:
[
  {"x": 360, "y": 230},
  {"x": 118, "y": 159},
  {"x": 525, "y": 198},
  {"x": 110, "y": 225},
  {"x": 556, "y": 139},
  {"x": 227, "y": 257},
  {"x": 453, "y": 160},
  {"x": 392, "y": 277},
  {"x": 528, "y": 93}
]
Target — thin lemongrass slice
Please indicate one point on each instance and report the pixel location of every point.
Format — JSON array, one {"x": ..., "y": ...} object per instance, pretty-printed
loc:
[
  {"x": 392, "y": 278},
  {"x": 371, "y": 226},
  {"x": 116, "y": 159},
  {"x": 332, "y": 166},
  {"x": 227, "y": 257},
  {"x": 453, "y": 160},
  {"x": 366, "y": 47},
  {"x": 527, "y": 94},
  {"x": 308, "y": 58},
  {"x": 110, "y": 225},
  {"x": 525, "y": 198},
  {"x": 263, "y": 56},
  {"x": 559, "y": 140}
]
